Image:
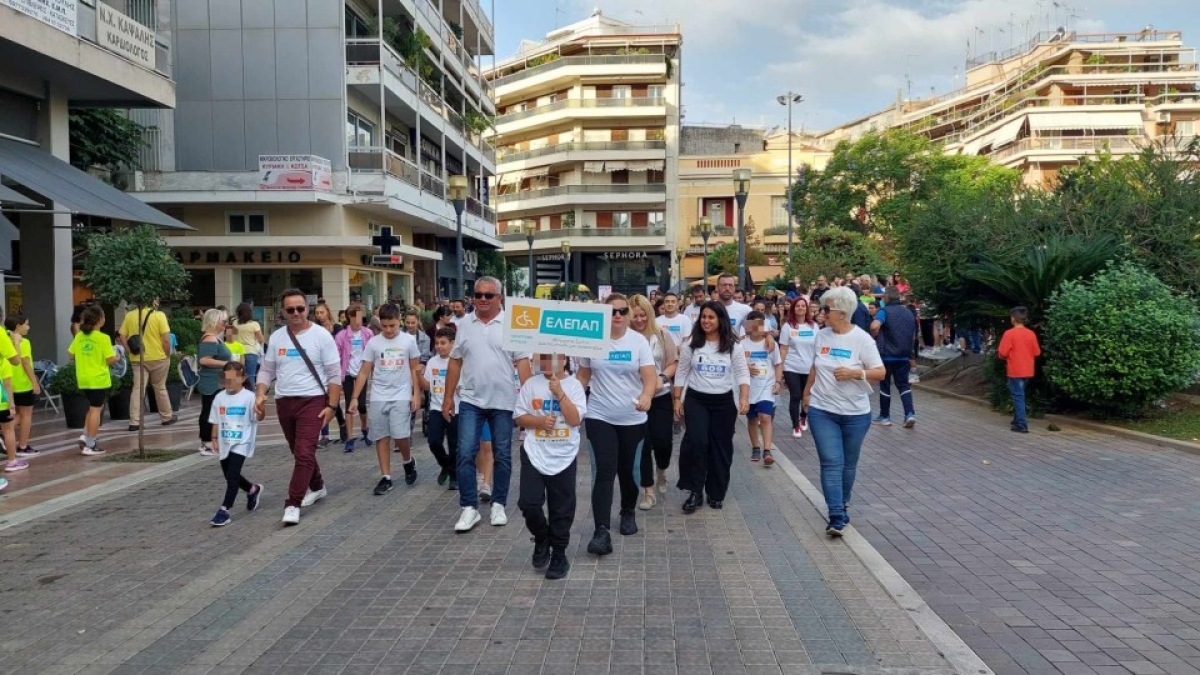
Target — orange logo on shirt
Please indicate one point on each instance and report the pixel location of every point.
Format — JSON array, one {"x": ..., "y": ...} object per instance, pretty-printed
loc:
[
  {"x": 221, "y": 410},
  {"x": 283, "y": 351},
  {"x": 824, "y": 351}
]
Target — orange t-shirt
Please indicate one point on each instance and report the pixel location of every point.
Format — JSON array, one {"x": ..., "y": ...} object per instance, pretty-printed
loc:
[{"x": 1019, "y": 347}]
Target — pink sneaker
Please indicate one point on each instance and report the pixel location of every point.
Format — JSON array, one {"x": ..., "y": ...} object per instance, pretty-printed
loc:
[{"x": 16, "y": 465}]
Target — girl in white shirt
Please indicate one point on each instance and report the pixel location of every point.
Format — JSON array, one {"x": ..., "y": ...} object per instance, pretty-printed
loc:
[
  {"x": 796, "y": 339},
  {"x": 659, "y": 441},
  {"x": 711, "y": 366}
]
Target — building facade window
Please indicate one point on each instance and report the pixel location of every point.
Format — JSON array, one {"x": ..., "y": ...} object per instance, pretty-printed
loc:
[
  {"x": 622, "y": 91},
  {"x": 779, "y": 214},
  {"x": 359, "y": 131},
  {"x": 621, "y": 219},
  {"x": 656, "y": 91},
  {"x": 356, "y": 26},
  {"x": 657, "y": 220},
  {"x": 246, "y": 223}
]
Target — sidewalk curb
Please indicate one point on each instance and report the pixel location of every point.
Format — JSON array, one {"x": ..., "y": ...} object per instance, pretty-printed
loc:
[
  {"x": 1141, "y": 437},
  {"x": 957, "y": 653}
]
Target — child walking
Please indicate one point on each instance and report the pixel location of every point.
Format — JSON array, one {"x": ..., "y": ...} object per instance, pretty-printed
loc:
[
  {"x": 235, "y": 426},
  {"x": 441, "y": 432},
  {"x": 550, "y": 407},
  {"x": 766, "y": 372},
  {"x": 6, "y": 422},
  {"x": 92, "y": 351},
  {"x": 1019, "y": 348},
  {"x": 25, "y": 385}
]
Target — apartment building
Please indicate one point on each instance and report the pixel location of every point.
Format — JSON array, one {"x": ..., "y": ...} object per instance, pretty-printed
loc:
[
  {"x": 59, "y": 56},
  {"x": 305, "y": 128},
  {"x": 588, "y": 142},
  {"x": 708, "y": 158},
  {"x": 1042, "y": 105}
]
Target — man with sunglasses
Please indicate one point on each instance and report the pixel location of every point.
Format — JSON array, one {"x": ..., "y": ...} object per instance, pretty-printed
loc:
[
  {"x": 485, "y": 372},
  {"x": 726, "y": 289},
  {"x": 303, "y": 361}
]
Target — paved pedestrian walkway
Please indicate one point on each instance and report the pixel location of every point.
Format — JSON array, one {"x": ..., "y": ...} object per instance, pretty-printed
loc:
[
  {"x": 138, "y": 582},
  {"x": 1069, "y": 552}
]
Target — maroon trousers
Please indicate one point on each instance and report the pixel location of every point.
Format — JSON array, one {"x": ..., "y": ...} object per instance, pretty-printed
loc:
[{"x": 301, "y": 421}]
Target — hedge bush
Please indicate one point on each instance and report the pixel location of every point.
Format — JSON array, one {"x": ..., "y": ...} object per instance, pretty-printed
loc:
[{"x": 1121, "y": 341}]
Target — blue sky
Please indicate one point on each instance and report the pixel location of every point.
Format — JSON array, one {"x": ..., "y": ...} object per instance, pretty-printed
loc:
[{"x": 847, "y": 57}]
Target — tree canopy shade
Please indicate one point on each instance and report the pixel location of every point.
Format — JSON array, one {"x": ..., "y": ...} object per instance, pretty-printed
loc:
[
  {"x": 723, "y": 259},
  {"x": 104, "y": 137},
  {"x": 134, "y": 265},
  {"x": 831, "y": 250}
]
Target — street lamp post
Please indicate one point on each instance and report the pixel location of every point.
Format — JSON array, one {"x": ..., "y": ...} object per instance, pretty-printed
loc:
[
  {"x": 566, "y": 249},
  {"x": 788, "y": 99},
  {"x": 705, "y": 233},
  {"x": 741, "y": 190},
  {"x": 529, "y": 240},
  {"x": 458, "y": 197}
]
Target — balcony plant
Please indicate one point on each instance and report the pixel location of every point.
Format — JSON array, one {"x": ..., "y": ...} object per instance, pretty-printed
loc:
[
  {"x": 568, "y": 220},
  {"x": 543, "y": 60},
  {"x": 457, "y": 29},
  {"x": 477, "y": 122}
]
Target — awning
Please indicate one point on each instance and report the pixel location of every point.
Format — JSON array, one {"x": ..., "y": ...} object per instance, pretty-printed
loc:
[
  {"x": 612, "y": 166},
  {"x": 1007, "y": 133},
  {"x": 536, "y": 173},
  {"x": 73, "y": 189},
  {"x": 593, "y": 167},
  {"x": 972, "y": 147},
  {"x": 510, "y": 178},
  {"x": 11, "y": 196},
  {"x": 1074, "y": 121}
]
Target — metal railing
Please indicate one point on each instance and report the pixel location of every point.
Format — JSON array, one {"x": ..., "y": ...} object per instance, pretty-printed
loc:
[
  {"x": 478, "y": 208},
  {"x": 485, "y": 24},
  {"x": 374, "y": 158},
  {"x": 579, "y": 103},
  {"x": 374, "y": 52},
  {"x": 432, "y": 184},
  {"x": 657, "y": 230},
  {"x": 649, "y": 188},
  {"x": 581, "y": 146},
  {"x": 564, "y": 61}
]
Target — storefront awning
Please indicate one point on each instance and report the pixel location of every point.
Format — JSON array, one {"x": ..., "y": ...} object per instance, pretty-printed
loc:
[
  {"x": 11, "y": 196},
  {"x": 1074, "y": 121},
  {"x": 73, "y": 189}
]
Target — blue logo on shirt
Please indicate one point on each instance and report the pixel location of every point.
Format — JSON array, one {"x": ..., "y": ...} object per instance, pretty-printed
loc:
[
  {"x": 626, "y": 356},
  {"x": 806, "y": 333},
  {"x": 758, "y": 355},
  {"x": 551, "y": 406},
  {"x": 840, "y": 353},
  {"x": 710, "y": 368},
  {"x": 236, "y": 411}
]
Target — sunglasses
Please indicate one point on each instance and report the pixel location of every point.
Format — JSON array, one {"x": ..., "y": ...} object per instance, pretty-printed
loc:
[
  {"x": 623, "y": 311},
  {"x": 295, "y": 310},
  {"x": 486, "y": 296}
]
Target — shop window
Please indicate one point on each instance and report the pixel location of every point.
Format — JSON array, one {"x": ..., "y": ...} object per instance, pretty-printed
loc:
[{"x": 246, "y": 223}]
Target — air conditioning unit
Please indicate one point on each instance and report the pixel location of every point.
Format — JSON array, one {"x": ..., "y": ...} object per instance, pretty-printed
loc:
[{"x": 1163, "y": 118}]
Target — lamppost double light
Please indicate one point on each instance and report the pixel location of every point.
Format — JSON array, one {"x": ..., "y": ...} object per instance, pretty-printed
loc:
[
  {"x": 458, "y": 197},
  {"x": 529, "y": 240},
  {"x": 741, "y": 189},
  {"x": 705, "y": 230}
]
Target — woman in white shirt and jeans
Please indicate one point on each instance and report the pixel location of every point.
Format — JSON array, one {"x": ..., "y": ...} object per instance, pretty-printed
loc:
[
  {"x": 838, "y": 399},
  {"x": 711, "y": 366}
]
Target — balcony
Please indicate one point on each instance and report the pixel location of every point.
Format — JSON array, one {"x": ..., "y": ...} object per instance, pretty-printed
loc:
[
  {"x": 639, "y": 61},
  {"x": 573, "y": 233},
  {"x": 583, "y": 146},
  {"x": 478, "y": 208},
  {"x": 652, "y": 189},
  {"x": 364, "y": 158},
  {"x": 584, "y": 108}
]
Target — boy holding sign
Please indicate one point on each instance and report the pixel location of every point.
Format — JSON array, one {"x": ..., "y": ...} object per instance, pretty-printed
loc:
[{"x": 550, "y": 406}]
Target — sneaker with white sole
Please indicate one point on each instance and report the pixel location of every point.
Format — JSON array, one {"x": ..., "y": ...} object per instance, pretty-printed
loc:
[
  {"x": 468, "y": 519},
  {"x": 3, "y": 483},
  {"x": 803, "y": 424},
  {"x": 16, "y": 465},
  {"x": 880, "y": 419},
  {"x": 291, "y": 515},
  {"x": 92, "y": 451},
  {"x": 660, "y": 481},
  {"x": 206, "y": 451},
  {"x": 910, "y": 421},
  {"x": 797, "y": 433},
  {"x": 485, "y": 492},
  {"x": 499, "y": 516},
  {"x": 312, "y": 497}
]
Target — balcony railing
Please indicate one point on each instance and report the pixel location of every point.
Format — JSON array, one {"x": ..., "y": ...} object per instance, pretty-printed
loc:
[
  {"x": 432, "y": 184},
  {"x": 649, "y": 188},
  {"x": 581, "y": 146},
  {"x": 565, "y": 61},
  {"x": 485, "y": 24},
  {"x": 478, "y": 208},
  {"x": 589, "y": 103},
  {"x": 657, "y": 230},
  {"x": 375, "y": 158},
  {"x": 374, "y": 52}
]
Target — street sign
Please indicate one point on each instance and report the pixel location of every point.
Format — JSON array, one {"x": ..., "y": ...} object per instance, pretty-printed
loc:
[{"x": 555, "y": 327}]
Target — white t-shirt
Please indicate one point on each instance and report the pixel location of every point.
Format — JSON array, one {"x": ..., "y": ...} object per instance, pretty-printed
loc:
[
  {"x": 435, "y": 374},
  {"x": 679, "y": 327},
  {"x": 762, "y": 369},
  {"x": 391, "y": 366},
  {"x": 283, "y": 364},
  {"x": 854, "y": 349},
  {"x": 799, "y": 341},
  {"x": 237, "y": 424},
  {"x": 737, "y": 316},
  {"x": 488, "y": 371},
  {"x": 550, "y": 451},
  {"x": 357, "y": 344},
  {"x": 617, "y": 380},
  {"x": 692, "y": 312},
  {"x": 709, "y": 371},
  {"x": 658, "y": 352}
]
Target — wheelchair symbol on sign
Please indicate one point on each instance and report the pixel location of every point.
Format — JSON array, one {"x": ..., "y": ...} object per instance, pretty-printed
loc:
[{"x": 523, "y": 320}]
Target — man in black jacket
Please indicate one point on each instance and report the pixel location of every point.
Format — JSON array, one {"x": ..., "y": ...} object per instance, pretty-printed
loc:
[{"x": 895, "y": 328}]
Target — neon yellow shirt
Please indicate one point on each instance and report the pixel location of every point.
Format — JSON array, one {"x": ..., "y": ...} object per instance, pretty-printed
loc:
[
  {"x": 91, "y": 359},
  {"x": 238, "y": 351},
  {"x": 6, "y": 371},
  {"x": 7, "y": 350},
  {"x": 20, "y": 379}
]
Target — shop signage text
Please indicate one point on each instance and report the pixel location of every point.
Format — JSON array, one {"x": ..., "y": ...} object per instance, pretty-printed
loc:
[
  {"x": 263, "y": 257},
  {"x": 623, "y": 255},
  {"x": 122, "y": 35},
  {"x": 60, "y": 14},
  {"x": 294, "y": 172}
]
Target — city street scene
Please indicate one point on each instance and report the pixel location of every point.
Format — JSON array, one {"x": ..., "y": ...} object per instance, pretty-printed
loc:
[{"x": 561, "y": 336}]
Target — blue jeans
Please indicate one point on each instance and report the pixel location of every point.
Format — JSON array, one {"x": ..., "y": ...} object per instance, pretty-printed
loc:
[
  {"x": 1016, "y": 387},
  {"x": 897, "y": 371},
  {"x": 470, "y": 430},
  {"x": 251, "y": 363},
  {"x": 839, "y": 441}
]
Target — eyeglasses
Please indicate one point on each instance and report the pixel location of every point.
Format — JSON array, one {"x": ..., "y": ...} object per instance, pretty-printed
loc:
[
  {"x": 825, "y": 309},
  {"x": 295, "y": 310},
  {"x": 623, "y": 311},
  {"x": 486, "y": 296}
]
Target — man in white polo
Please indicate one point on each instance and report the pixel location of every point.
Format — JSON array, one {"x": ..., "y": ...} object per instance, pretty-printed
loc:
[
  {"x": 482, "y": 372},
  {"x": 737, "y": 311},
  {"x": 678, "y": 326}
]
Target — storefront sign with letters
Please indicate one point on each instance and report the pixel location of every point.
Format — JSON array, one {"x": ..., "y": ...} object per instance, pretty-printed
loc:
[{"x": 257, "y": 257}]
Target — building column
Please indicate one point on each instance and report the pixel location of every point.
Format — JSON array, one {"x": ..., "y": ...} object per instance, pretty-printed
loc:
[
  {"x": 228, "y": 287},
  {"x": 335, "y": 287},
  {"x": 46, "y": 271}
]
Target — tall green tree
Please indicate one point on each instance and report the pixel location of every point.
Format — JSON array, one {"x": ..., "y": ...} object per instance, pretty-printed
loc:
[
  {"x": 834, "y": 251},
  {"x": 104, "y": 137},
  {"x": 723, "y": 259},
  {"x": 492, "y": 264}
]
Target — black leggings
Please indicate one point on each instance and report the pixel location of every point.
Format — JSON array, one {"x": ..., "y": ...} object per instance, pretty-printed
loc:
[
  {"x": 706, "y": 454},
  {"x": 659, "y": 438},
  {"x": 234, "y": 481},
  {"x": 557, "y": 492},
  {"x": 614, "y": 455},
  {"x": 441, "y": 434},
  {"x": 206, "y": 401},
  {"x": 795, "y": 384}
]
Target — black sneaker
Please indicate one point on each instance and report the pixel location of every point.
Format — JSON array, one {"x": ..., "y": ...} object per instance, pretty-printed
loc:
[
  {"x": 383, "y": 487},
  {"x": 343, "y": 434},
  {"x": 324, "y": 442},
  {"x": 253, "y": 497},
  {"x": 714, "y": 504},
  {"x": 443, "y": 477},
  {"x": 601, "y": 543},
  {"x": 541, "y": 553},
  {"x": 628, "y": 523},
  {"x": 171, "y": 421},
  {"x": 452, "y": 484},
  {"x": 693, "y": 502},
  {"x": 559, "y": 565},
  {"x": 133, "y": 427},
  {"x": 410, "y": 472}
]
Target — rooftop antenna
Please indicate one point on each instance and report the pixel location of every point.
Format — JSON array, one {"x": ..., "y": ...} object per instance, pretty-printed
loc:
[{"x": 557, "y": 14}]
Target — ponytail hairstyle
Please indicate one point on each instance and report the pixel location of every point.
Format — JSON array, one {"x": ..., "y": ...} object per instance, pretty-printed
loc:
[{"x": 90, "y": 318}]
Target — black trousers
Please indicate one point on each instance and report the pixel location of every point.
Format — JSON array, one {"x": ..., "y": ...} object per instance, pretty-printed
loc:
[
  {"x": 557, "y": 493},
  {"x": 614, "y": 455},
  {"x": 231, "y": 466},
  {"x": 442, "y": 433},
  {"x": 795, "y": 384},
  {"x": 206, "y": 401},
  {"x": 656, "y": 449},
  {"x": 706, "y": 453}
]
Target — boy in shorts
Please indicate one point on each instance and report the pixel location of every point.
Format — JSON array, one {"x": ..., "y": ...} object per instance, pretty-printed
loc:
[
  {"x": 766, "y": 372},
  {"x": 391, "y": 361}
]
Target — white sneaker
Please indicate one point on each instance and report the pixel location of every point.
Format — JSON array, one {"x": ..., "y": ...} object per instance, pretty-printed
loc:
[
  {"x": 499, "y": 517},
  {"x": 469, "y": 518},
  {"x": 291, "y": 515},
  {"x": 797, "y": 433},
  {"x": 311, "y": 497},
  {"x": 92, "y": 451},
  {"x": 206, "y": 451}
]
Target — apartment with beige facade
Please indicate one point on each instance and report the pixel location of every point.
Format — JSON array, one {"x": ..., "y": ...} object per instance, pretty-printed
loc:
[
  {"x": 1042, "y": 105},
  {"x": 587, "y": 136}
]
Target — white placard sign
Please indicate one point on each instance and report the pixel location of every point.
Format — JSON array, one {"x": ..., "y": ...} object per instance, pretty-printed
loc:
[
  {"x": 60, "y": 14},
  {"x": 294, "y": 172},
  {"x": 122, "y": 35},
  {"x": 557, "y": 327}
]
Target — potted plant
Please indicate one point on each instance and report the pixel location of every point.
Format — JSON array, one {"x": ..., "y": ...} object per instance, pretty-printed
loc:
[
  {"x": 118, "y": 398},
  {"x": 75, "y": 404}
]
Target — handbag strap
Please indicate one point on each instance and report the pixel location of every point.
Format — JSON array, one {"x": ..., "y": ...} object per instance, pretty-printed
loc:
[{"x": 307, "y": 361}]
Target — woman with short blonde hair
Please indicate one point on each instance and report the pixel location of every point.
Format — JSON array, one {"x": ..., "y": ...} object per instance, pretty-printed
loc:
[
  {"x": 211, "y": 357},
  {"x": 656, "y": 449}
]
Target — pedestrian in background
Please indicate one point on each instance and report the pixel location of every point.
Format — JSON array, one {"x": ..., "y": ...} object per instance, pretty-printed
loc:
[
  {"x": 211, "y": 355},
  {"x": 1019, "y": 349},
  {"x": 895, "y": 328},
  {"x": 234, "y": 422},
  {"x": 92, "y": 351},
  {"x": 26, "y": 388},
  {"x": 146, "y": 332},
  {"x": 250, "y": 336},
  {"x": 659, "y": 440},
  {"x": 796, "y": 346}
]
